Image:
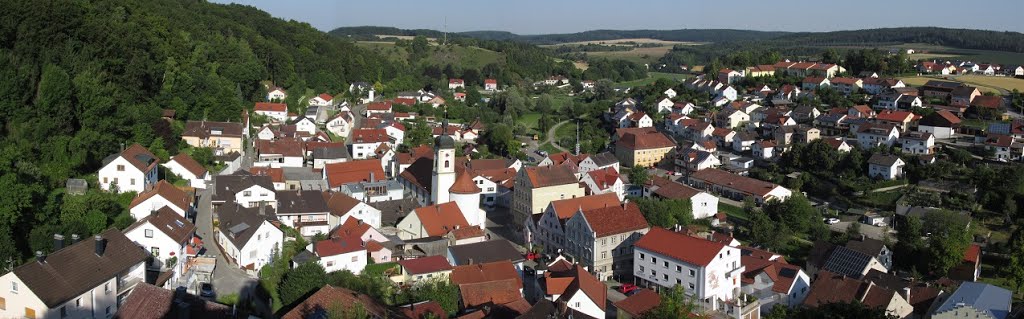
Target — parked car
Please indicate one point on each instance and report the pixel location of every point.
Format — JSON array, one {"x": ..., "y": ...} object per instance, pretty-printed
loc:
[
  {"x": 206, "y": 290},
  {"x": 628, "y": 288},
  {"x": 832, "y": 221}
]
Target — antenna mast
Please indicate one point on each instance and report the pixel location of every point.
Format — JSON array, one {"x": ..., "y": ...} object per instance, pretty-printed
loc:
[
  {"x": 445, "y": 31},
  {"x": 577, "y": 137}
]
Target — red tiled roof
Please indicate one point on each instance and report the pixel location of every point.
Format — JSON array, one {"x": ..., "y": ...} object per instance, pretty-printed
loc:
[
  {"x": 545, "y": 176},
  {"x": 468, "y": 232},
  {"x": 895, "y": 116},
  {"x": 425, "y": 265},
  {"x": 639, "y": 303},
  {"x": 353, "y": 227},
  {"x": 992, "y": 102},
  {"x": 616, "y": 219},
  {"x": 424, "y": 309},
  {"x": 692, "y": 250},
  {"x": 404, "y": 101},
  {"x": 379, "y": 106},
  {"x": 329, "y": 297},
  {"x": 781, "y": 273},
  {"x": 440, "y": 219},
  {"x": 574, "y": 280},
  {"x": 972, "y": 254},
  {"x": 172, "y": 194},
  {"x": 340, "y": 203},
  {"x": 271, "y": 107},
  {"x": 370, "y": 135},
  {"x": 496, "y": 292},
  {"x": 672, "y": 190},
  {"x": 189, "y": 164},
  {"x": 455, "y": 81},
  {"x": 565, "y": 208},
  {"x": 338, "y": 245},
  {"x": 741, "y": 183},
  {"x": 285, "y": 146},
  {"x": 486, "y": 272},
  {"x": 354, "y": 171},
  {"x": 276, "y": 174},
  {"x": 847, "y": 81},
  {"x": 326, "y": 97},
  {"x": 650, "y": 140},
  {"x": 490, "y": 81}
]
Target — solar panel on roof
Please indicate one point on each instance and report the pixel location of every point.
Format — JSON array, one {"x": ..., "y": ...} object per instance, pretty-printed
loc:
[{"x": 238, "y": 228}]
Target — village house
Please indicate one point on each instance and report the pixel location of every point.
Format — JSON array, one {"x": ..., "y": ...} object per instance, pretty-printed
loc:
[
  {"x": 665, "y": 105},
  {"x": 134, "y": 169},
  {"x": 84, "y": 280},
  {"x": 694, "y": 160},
  {"x": 456, "y": 84},
  {"x": 603, "y": 181},
  {"x": 939, "y": 89},
  {"x": 536, "y": 187},
  {"x": 856, "y": 259},
  {"x": 702, "y": 204},
  {"x": 162, "y": 195},
  {"x": 571, "y": 286},
  {"x": 885, "y": 166},
  {"x": 708, "y": 271},
  {"x": 168, "y": 237},
  {"x": 222, "y": 137},
  {"x": 773, "y": 281},
  {"x": 838, "y": 144},
  {"x": 344, "y": 209},
  {"x": 276, "y": 94},
  {"x": 188, "y": 169},
  {"x": 435, "y": 220},
  {"x": 490, "y": 85},
  {"x": 601, "y": 238},
  {"x": 322, "y": 99},
  {"x": 341, "y": 253},
  {"x": 942, "y": 124},
  {"x": 285, "y": 152},
  {"x": 365, "y": 140},
  {"x": 831, "y": 288},
  {"x": 731, "y": 119},
  {"x": 414, "y": 271},
  {"x": 737, "y": 187},
  {"x": 870, "y": 135},
  {"x": 247, "y": 236},
  {"x": 244, "y": 189},
  {"x": 764, "y": 149},
  {"x": 846, "y": 85},
  {"x": 729, "y": 76},
  {"x": 875, "y": 86},
  {"x": 306, "y": 211},
  {"x": 643, "y": 148},
  {"x": 1004, "y": 147},
  {"x": 277, "y": 112},
  {"x": 976, "y": 300},
  {"x": 964, "y": 95},
  {"x": 917, "y": 143}
]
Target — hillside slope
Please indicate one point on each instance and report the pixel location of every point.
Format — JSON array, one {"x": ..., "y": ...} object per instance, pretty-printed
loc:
[
  {"x": 79, "y": 79},
  {"x": 957, "y": 38}
]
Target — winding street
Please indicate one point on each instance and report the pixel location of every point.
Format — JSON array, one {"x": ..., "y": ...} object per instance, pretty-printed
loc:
[{"x": 551, "y": 136}]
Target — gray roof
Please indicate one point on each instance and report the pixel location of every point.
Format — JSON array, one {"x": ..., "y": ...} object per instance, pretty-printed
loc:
[
  {"x": 300, "y": 174},
  {"x": 485, "y": 252},
  {"x": 226, "y": 186},
  {"x": 848, "y": 262},
  {"x": 393, "y": 210},
  {"x": 301, "y": 202},
  {"x": 994, "y": 301},
  {"x": 304, "y": 256},
  {"x": 883, "y": 159},
  {"x": 330, "y": 152},
  {"x": 868, "y": 246},
  {"x": 240, "y": 223},
  {"x": 604, "y": 159}
]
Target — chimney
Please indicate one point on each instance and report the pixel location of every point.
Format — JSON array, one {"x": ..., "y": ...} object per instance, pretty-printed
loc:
[
  {"x": 40, "y": 257},
  {"x": 101, "y": 245},
  {"x": 58, "y": 242},
  {"x": 624, "y": 203},
  {"x": 906, "y": 293},
  {"x": 372, "y": 178},
  {"x": 75, "y": 238}
]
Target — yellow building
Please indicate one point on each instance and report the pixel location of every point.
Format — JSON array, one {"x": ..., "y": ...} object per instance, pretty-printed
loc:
[
  {"x": 646, "y": 148},
  {"x": 222, "y": 137},
  {"x": 536, "y": 187}
]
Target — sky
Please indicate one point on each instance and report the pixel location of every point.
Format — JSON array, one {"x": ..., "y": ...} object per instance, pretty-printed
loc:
[{"x": 560, "y": 16}]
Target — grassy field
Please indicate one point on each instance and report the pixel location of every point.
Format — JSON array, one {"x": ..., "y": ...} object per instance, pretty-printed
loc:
[
  {"x": 931, "y": 51},
  {"x": 637, "y": 55},
  {"x": 386, "y": 48},
  {"x": 921, "y": 80},
  {"x": 530, "y": 121},
  {"x": 653, "y": 76},
  {"x": 547, "y": 147},
  {"x": 626, "y": 42}
]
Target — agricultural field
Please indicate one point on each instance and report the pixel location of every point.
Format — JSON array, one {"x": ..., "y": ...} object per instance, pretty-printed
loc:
[
  {"x": 984, "y": 83},
  {"x": 642, "y": 55},
  {"x": 931, "y": 51},
  {"x": 629, "y": 41},
  {"x": 653, "y": 76}
]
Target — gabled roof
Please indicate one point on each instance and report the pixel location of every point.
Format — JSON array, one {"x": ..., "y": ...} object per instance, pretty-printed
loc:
[
  {"x": 604, "y": 159},
  {"x": 300, "y": 202},
  {"x": 485, "y": 272},
  {"x": 605, "y": 177},
  {"x": 565, "y": 208},
  {"x": 151, "y": 302},
  {"x": 781, "y": 273},
  {"x": 354, "y": 171},
  {"x": 668, "y": 189},
  {"x": 692, "y": 250},
  {"x": 575, "y": 280},
  {"x": 830, "y": 288},
  {"x": 270, "y": 107},
  {"x": 338, "y": 245},
  {"x": 647, "y": 140},
  {"x": 239, "y": 223},
  {"x": 895, "y": 116},
  {"x": 639, "y": 303},
  {"x": 992, "y": 102},
  {"x": 847, "y": 262},
  {"x": 485, "y": 252},
  {"x": 369, "y": 135},
  {"x": 440, "y": 219},
  {"x": 168, "y": 222},
  {"x": 886, "y": 160},
  {"x": 76, "y": 269},
  {"x": 276, "y": 173},
  {"x": 940, "y": 118},
  {"x": 742, "y": 183},
  {"x": 228, "y": 185},
  {"x": 992, "y": 300},
  {"x": 616, "y": 219},
  {"x": 189, "y": 164},
  {"x": 205, "y": 129},
  {"x": 291, "y": 147},
  {"x": 545, "y": 176},
  {"x": 318, "y": 304},
  {"x": 429, "y": 264},
  {"x": 137, "y": 155},
  {"x": 172, "y": 194}
]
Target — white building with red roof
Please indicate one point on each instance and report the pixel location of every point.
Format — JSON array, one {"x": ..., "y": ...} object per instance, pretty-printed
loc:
[
  {"x": 323, "y": 99},
  {"x": 131, "y": 170},
  {"x": 490, "y": 85},
  {"x": 736, "y": 187},
  {"x": 276, "y": 94},
  {"x": 365, "y": 141},
  {"x": 603, "y": 181},
  {"x": 705, "y": 269},
  {"x": 456, "y": 83},
  {"x": 596, "y": 237},
  {"x": 187, "y": 168},
  {"x": 341, "y": 253},
  {"x": 275, "y": 111},
  {"x": 773, "y": 281}
]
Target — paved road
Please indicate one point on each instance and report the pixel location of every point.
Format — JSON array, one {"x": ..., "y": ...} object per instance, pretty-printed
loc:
[
  {"x": 886, "y": 189},
  {"x": 873, "y": 232},
  {"x": 551, "y": 136}
]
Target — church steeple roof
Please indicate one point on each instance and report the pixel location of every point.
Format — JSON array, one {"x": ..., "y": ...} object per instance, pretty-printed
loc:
[
  {"x": 464, "y": 185},
  {"x": 444, "y": 141}
]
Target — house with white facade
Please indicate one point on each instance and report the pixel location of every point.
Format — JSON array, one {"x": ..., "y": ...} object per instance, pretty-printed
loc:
[
  {"x": 87, "y": 279},
  {"x": 341, "y": 124},
  {"x": 163, "y": 195},
  {"x": 283, "y": 152},
  {"x": 132, "y": 170},
  {"x": 773, "y": 281},
  {"x": 456, "y": 84},
  {"x": 244, "y": 189},
  {"x": 365, "y": 141},
  {"x": 694, "y": 160},
  {"x": 665, "y": 105},
  {"x": 322, "y": 99},
  {"x": 306, "y": 211},
  {"x": 703, "y": 204},
  {"x": 188, "y": 169},
  {"x": 600, "y": 238},
  {"x": 670, "y": 93},
  {"x": 305, "y": 124},
  {"x": 764, "y": 149},
  {"x": 247, "y": 236},
  {"x": 885, "y": 166},
  {"x": 276, "y": 94},
  {"x": 571, "y": 285},
  {"x": 167, "y": 237},
  {"x": 917, "y": 143},
  {"x": 341, "y": 253},
  {"x": 870, "y": 135},
  {"x": 277, "y": 112},
  {"x": 605, "y": 180},
  {"x": 705, "y": 269}
]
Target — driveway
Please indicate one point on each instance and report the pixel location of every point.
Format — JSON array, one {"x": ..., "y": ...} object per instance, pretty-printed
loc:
[{"x": 869, "y": 231}]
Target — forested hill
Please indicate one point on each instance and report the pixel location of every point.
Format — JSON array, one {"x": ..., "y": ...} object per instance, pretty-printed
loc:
[
  {"x": 957, "y": 38},
  {"x": 694, "y": 35},
  {"x": 79, "y": 78}
]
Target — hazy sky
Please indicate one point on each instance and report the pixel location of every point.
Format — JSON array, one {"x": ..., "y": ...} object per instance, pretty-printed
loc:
[{"x": 554, "y": 16}]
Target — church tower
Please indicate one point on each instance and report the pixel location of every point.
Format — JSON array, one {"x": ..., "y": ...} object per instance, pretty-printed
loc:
[{"x": 444, "y": 166}]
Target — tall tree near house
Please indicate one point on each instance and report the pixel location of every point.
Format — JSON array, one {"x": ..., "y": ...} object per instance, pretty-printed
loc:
[
  {"x": 54, "y": 101},
  {"x": 1015, "y": 270},
  {"x": 950, "y": 237},
  {"x": 638, "y": 175},
  {"x": 675, "y": 303},
  {"x": 301, "y": 281}
]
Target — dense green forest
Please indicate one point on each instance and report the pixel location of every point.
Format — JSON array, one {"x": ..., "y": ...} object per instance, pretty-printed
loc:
[
  {"x": 957, "y": 38},
  {"x": 81, "y": 78}
]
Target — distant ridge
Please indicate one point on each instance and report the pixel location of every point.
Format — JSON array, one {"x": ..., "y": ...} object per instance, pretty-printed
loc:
[{"x": 958, "y": 38}]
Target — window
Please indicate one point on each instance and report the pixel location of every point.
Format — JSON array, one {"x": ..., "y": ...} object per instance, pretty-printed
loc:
[
  {"x": 355, "y": 258},
  {"x": 654, "y": 260},
  {"x": 106, "y": 287},
  {"x": 691, "y": 286},
  {"x": 247, "y": 193},
  {"x": 604, "y": 254},
  {"x": 133, "y": 181},
  {"x": 654, "y": 272},
  {"x": 3, "y": 303},
  {"x": 104, "y": 180},
  {"x": 14, "y": 287},
  {"x": 149, "y": 233},
  {"x": 108, "y": 310},
  {"x": 641, "y": 268},
  {"x": 78, "y": 302},
  {"x": 330, "y": 263},
  {"x": 679, "y": 281},
  {"x": 666, "y": 264},
  {"x": 446, "y": 163},
  {"x": 252, "y": 254},
  {"x": 120, "y": 168},
  {"x": 155, "y": 251},
  {"x": 679, "y": 268},
  {"x": 693, "y": 273}
]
